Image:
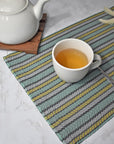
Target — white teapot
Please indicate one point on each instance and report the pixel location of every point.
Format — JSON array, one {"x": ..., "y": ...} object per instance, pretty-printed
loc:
[{"x": 19, "y": 20}]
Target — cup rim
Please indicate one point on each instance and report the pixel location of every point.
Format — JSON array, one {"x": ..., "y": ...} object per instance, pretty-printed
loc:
[{"x": 71, "y": 69}]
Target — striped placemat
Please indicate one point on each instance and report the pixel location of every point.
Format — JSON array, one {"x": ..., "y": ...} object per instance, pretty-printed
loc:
[{"x": 73, "y": 111}]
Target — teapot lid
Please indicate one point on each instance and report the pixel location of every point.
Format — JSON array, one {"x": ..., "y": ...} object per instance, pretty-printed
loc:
[{"x": 12, "y": 6}]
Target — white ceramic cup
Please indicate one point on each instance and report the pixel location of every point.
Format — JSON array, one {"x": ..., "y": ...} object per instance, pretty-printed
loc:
[{"x": 74, "y": 75}]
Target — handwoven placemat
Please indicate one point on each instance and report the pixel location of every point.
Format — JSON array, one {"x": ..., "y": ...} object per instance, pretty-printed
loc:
[{"x": 73, "y": 111}]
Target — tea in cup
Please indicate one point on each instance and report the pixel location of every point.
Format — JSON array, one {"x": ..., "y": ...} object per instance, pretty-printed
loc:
[{"x": 73, "y": 59}]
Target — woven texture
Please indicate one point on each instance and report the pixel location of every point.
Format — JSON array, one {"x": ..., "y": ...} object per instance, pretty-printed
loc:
[{"x": 73, "y": 111}]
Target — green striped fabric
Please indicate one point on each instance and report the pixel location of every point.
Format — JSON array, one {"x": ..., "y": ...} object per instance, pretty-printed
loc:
[{"x": 74, "y": 111}]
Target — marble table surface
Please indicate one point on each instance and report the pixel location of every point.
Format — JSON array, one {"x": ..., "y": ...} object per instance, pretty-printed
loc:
[{"x": 20, "y": 121}]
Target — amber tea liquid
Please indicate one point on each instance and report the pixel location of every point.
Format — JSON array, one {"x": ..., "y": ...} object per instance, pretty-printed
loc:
[{"x": 72, "y": 58}]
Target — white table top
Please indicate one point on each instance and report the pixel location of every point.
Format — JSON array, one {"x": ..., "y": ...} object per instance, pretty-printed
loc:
[{"x": 20, "y": 121}]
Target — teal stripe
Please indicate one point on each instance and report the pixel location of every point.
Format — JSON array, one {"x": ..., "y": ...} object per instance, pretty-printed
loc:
[
  {"x": 108, "y": 64},
  {"x": 106, "y": 51},
  {"x": 87, "y": 116},
  {"x": 101, "y": 41},
  {"x": 71, "y": 88},
  {"x": 43, "y": 89},
  {"x": 96, "y": 32},
  {"x": 30, "y": 59},
  {"x": 20, "y": 59},
  {"x": 112, "y": 77},
  {"x": 78, "y": 102},
  {"x": 30, "y": 67},
  {"x": 38, "y": 77},
  {"x": 109, "y": 118}
]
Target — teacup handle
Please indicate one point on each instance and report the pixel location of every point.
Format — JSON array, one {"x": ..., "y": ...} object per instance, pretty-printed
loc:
[{"x": 97, "y": 62}]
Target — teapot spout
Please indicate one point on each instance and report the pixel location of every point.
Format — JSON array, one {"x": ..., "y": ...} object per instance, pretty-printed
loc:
[{"x": 38, "y": 8}]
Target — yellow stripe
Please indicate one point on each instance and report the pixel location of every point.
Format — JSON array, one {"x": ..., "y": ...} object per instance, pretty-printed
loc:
[
  {"x": 67, "y": 28},
  {"x": 75, "y": 99},
  {"x": 74, "y": 141},
  {"x": 81, "y": 106},
  {"x": 22, "y": 67},
  {"x": 94, "y": 30},
  {"x": 109, "y": 54},
  {"x": 105, "y": 48},
  {"x": 48, "y": 91},
  {"x": 13, "y": 54},
  {"x": 42, "y": 85},
  {"x": 26, "y": 73},
  {"x": 101, "y": 33}
]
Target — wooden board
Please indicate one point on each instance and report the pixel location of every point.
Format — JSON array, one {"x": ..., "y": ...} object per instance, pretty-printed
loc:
[{"x": 30, "y": 46}]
